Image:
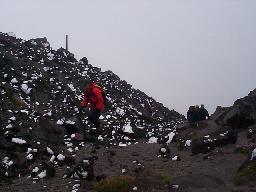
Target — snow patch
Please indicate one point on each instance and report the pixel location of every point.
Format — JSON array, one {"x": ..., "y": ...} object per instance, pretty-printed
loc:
[
  {"x": 170, "y": 136},
  {"x": 18, "y": 141},
  {"x": 25, "y": 88},
  {"x": 152, "y": 140},
  {"x": 42, "y": 174},
  {"x": 127, "y": 128},
  {"x": 253, "y": 154},
  {"x": 70, "y": 122},
  {"x": 71, "y": 86},
  {"x": 188, "y": 143},
  {"x": 61, "y": 157},
  {"x": 120, "y": 111},
  {"x": 14, "y": 80},
  {"x": 163, "y": 150},
  {"x": 60, "y": 122},
  {"x": 49, "y": 150}
]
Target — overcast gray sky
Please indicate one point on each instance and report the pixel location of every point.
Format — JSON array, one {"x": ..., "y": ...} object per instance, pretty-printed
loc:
[{"x": 180, "y": 52}]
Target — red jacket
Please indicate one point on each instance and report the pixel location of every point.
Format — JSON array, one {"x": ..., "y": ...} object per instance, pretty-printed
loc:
[{"x": 93, "y": 96}]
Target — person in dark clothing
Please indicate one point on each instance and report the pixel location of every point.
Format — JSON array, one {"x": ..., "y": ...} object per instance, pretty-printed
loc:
[
  {"x": 203, "y": 113},
  {"x": 192, "y": 115},
  {"x": 93, "y": 97},
  {"x": 197, "y": 113}
]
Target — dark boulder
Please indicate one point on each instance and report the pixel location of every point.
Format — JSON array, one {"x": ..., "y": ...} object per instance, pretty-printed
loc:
[
  {"x": 83, "y": 170},
  {"x": 164, "y": 151},
  {"x": 209, "y": 142},
  {"x": 251, "y": 131}
]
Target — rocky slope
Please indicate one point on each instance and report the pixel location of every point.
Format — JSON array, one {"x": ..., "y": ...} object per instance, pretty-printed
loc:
[{"x": 40, "y": 96}]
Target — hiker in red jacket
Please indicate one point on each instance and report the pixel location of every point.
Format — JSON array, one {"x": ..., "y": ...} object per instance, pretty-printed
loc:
[{"x": 93, "y": 97}]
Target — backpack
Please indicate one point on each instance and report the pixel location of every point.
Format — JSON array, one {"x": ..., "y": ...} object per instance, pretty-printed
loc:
[{"x": 99, "y": 86}]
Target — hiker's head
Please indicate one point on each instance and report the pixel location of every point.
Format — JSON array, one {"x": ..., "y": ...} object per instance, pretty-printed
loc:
[
  {"x": 86, "y": 83},
  {"x": 202, "y": 106}
]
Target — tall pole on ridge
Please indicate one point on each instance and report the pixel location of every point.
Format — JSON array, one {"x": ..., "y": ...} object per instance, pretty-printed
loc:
[{"x": 67, "y": 42}]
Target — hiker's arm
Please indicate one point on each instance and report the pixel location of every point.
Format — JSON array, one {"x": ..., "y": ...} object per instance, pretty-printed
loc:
[
  {"x": 98, "y": 94},
  {"x": 85, "y": 101}
]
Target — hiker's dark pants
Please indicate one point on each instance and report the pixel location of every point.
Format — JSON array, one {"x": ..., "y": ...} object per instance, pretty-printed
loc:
[{"x": 94, "y": 117}]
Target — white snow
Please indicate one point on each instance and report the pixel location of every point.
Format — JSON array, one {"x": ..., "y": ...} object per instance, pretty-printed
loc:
[
  {"x": 163, "y": 150},
  {"x": 46, "y": 68},
  {"x": 70, "y": 122},
  {"x": 35, "y": 170},
  {"x": 7, "y": 163},
  {"x": 12, "y": 118},
  {"x": 25, "y": 88},
  {"x": 71, "y": 86},
  {"x": 42, "y": 174},
  {"x": 49, "y": 150},
  {"x": 14, "y": 80},
  {"x": 170, "y": 135},
  {"x": 86, "y": 161},
  {"x": 188, "y": 143},
  {"x": 175, "y": 186},
  {"x": 127, "y": 128},
  {"x": 119, "y": 111},
  {"x": 24, "y": 111},
  {"x": 84, "y": 174},
  {"x": 10, "y": 163},
  {"x": 50, "y": 56},
  {"x": 18, "y": 141},
  {"x": 253, "y": 154},
  {"x": 33, "y": 42},
  {"x": 49, "y": 113},
  {"x": 30, "y": 156},
  {"x": 29, "y": 150},
  {"x": 24, "y": 74},
  {"x": 175, "y": 158},
  {"x": 122, "y": 145},
  {"x": 152, "y": 140},
  {"x": 9, "y": 126},
  {"x": 100, "y": 138},
  {"x": 60, "y": 122},
  {"x": 46, "y": 44},
  {"x": 61, "y": 157},
  {"x": 52, "y": 158}
]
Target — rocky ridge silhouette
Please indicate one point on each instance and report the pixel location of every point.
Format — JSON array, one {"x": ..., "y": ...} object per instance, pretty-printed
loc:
[{"x": 40, "y": 96}]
